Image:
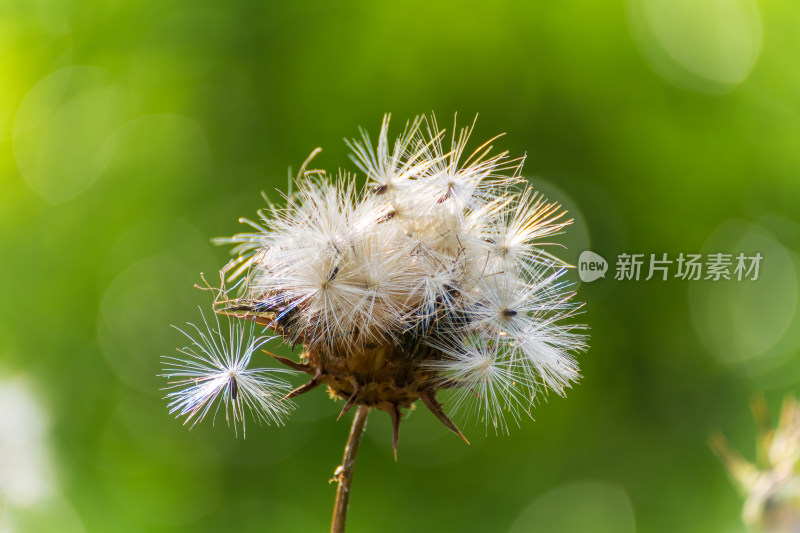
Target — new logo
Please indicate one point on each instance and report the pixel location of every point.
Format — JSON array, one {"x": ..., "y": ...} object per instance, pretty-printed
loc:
[{"x": 591, "y": 266}]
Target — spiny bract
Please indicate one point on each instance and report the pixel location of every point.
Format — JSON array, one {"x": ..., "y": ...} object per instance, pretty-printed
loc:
[{"x": 433, "y": 276}]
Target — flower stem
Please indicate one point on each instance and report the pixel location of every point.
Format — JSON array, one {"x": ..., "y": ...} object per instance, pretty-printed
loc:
[{"x": 344, "y": 474}]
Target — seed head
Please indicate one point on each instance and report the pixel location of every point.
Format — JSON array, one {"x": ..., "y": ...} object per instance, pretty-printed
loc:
[{"x": 434, "y": 275}]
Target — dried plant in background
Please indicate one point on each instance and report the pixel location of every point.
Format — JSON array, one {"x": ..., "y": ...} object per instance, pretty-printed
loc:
[
  {"x": 771, "y": 485},
  {"x": 437, "y": 275}
]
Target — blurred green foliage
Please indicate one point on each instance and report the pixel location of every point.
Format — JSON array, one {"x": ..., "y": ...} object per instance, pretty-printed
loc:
[{"x": 133, "y": 132}]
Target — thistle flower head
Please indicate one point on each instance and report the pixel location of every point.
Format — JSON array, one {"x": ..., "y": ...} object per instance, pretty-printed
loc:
[
  {"x": 213, "y": 374},
  {"x": 435, "y": 275}
]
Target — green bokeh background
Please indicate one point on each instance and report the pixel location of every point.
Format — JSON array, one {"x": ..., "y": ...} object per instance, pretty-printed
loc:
[{"x": 133, "y": 132}]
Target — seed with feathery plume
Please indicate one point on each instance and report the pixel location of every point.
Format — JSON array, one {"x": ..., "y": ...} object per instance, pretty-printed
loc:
[{"x": 213, "y": 374}]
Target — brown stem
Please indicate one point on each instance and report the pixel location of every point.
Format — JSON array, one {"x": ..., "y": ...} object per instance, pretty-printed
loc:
[{"x": 344, "y": 474}]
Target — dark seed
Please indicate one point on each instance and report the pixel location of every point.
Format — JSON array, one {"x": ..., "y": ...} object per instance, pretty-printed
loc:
[
  {"x": 333, "y": 273},
  {"x": 387, "y": 217},
  {"x": 234, "y": 389}
]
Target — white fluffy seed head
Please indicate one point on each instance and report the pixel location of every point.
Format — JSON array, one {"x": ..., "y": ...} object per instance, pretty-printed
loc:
[{"x": 442, "y": 246}]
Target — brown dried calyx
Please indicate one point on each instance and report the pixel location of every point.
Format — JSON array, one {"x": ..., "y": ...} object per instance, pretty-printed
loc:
[{"x": 385, "y": 375}]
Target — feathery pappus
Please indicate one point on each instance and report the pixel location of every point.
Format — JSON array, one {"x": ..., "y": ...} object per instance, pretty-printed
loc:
[
  {"x": 212, "y": 374},
  {"x": 438, "y": 274}
]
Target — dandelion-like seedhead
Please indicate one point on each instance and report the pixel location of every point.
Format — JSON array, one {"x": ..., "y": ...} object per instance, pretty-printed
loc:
[{"x": 437, "y": 274}]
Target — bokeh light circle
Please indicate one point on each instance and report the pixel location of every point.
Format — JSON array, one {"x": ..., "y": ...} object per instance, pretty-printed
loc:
[
  {"x": 701, "y": 45},
  {"x": 593, "y": 506},
  {"x": 61, "y": 126},
  {"x": 743, "y": 322},
  {"x": 135, "y": 313}
]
